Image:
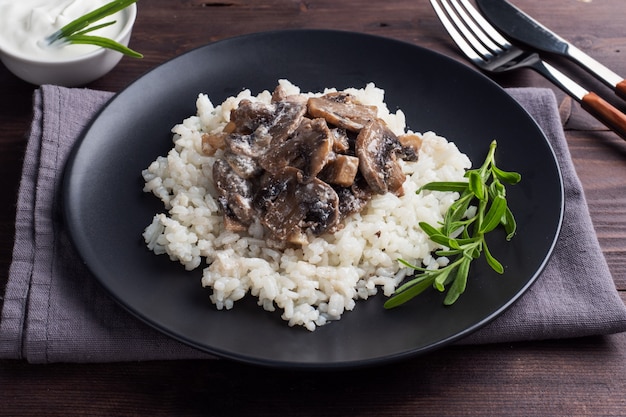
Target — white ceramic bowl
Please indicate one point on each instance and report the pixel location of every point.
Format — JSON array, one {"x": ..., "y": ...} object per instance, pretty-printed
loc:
[{"x": 70, "y": 71}]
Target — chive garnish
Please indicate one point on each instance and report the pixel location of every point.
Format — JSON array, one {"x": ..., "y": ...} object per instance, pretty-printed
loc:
[
  {"x": 76, "y": 32},
  {"x": 486, "y": 189}
]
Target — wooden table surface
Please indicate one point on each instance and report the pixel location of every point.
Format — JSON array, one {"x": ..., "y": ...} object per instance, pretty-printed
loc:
[{"x": 562, "y": 378}]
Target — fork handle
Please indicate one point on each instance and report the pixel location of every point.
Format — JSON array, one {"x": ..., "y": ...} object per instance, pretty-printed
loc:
[{"x": 605, "y": 112}]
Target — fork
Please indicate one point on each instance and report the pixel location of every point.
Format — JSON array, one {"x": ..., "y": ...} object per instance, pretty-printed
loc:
[{"x": 491, "y": 52}]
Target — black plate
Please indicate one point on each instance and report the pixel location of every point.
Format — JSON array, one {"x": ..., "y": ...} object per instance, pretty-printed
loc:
[{"x": 106, "y": 210}]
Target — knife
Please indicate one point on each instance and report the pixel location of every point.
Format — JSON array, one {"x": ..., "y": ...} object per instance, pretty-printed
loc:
[{"x": 519, "y": 26}]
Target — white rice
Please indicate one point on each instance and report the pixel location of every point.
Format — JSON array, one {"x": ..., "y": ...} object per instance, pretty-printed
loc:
[{"x": 314, "y": 284}]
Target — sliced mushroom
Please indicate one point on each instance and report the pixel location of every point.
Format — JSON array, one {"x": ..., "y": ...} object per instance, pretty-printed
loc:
[
  {"x": 279, "y": 93},
  {"x": 288, "y": 115},
  {"x": 308, "y": 149},
  {"x": 376, "y": 147},
  {"x": 411, "y": 143},
  {"x": 322, "y": 204},
  {"x": 340, "y": 170},
  {"x": 267, "y": 122},
  {"x": 245, "y": 166},
  {"x": 341, "y": 110},
  {"x": 253, "y": 145},
  {"x": 302, "y": 176},
  {"x": 291, "y": 203},
  {"x": 249, "y": 115},
  {"x": 235, "y": 196},
  {"x": 283, "y": 214},
  {"x": 211, "y": 142},
  {"x": 341, "y": 142},
  {"x": 354, "y": 198}
]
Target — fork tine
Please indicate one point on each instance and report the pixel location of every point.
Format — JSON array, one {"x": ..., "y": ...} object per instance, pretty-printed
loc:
[
  {"x": 460, "y": 33},
  {"x": 485, "y": 26},
  {"x": 479, "y": 27},
  {"x": 507, "y": 56},
  {"x": 454, "y": 33}
]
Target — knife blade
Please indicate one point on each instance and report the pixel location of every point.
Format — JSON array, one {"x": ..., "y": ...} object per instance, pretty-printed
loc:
[{"x": 517, "y": 25}]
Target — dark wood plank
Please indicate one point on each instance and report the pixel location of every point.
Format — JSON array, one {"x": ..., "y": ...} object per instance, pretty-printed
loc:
[
  {"x": 605, "y": 189},
  {"x": 15, "y": 115},
  {"x": 511, "y": 380}
]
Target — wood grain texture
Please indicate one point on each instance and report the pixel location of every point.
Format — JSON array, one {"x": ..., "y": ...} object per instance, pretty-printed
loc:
[
  {"x": 582, "y": 377},
  {"x": 561, "y": 378}
]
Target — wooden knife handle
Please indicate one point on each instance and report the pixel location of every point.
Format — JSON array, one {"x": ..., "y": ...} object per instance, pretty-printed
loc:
[
  {"x": 605, "y": 112},
  {"x": 620, "y": 89}
]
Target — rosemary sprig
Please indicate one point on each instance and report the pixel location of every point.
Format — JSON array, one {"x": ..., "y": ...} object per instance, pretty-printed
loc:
[
  {"x": 484, "y": 186},
  {"x": 76, "y": 32}
]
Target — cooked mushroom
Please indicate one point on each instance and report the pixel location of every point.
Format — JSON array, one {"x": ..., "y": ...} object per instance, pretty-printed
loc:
[
  {"x": 341, "y": 110},
  {"x": 354, "y": 198},
  {"x": 249, "y": 115},
  {"x": 288, "y": 115},
  {"x": 211, "y": 142},
  {"x": 255, "y": 125},
  {"x": 308, "y": 149},
  {"x": 291, "y": 203},
  {"x": 341, "y": 142},
  {"x": 244, "y": 165},
  {"x": 235, "y": 196},
  {"x": 279, "y": 93},
  {"x": 322, "y": 203},
  {"x": 253, "y": 145},
  {"x": 376, "y": 147},
  {"x": 301, "y": 175},
  {"x": 411, "y": 144},
  {"x": 340, "y": 170}
]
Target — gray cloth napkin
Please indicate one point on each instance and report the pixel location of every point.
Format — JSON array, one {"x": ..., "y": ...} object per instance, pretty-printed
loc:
[{"x": 54, "y": 311}]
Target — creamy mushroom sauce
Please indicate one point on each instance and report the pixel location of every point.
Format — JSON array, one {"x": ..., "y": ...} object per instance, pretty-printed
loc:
[{"x": 301, "y": 165}]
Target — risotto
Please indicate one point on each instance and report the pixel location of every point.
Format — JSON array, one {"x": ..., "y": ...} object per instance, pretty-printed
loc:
[{"x": 318, "y": 280}]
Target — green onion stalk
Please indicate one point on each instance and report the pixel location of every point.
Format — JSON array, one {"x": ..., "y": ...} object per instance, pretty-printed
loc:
[{"x": 77, "y": 31}]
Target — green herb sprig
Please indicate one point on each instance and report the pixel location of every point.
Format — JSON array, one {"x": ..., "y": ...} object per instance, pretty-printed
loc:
[
  {"x": 484, "y": 186},
  {"x": 76, "y": 32}
]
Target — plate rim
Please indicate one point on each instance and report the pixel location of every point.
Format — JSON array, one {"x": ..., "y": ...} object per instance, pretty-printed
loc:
[{"x": 358, "y": 363}]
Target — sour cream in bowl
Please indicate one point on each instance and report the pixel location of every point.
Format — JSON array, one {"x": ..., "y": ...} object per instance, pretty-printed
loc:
[{"x": 25, "y": 24}]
